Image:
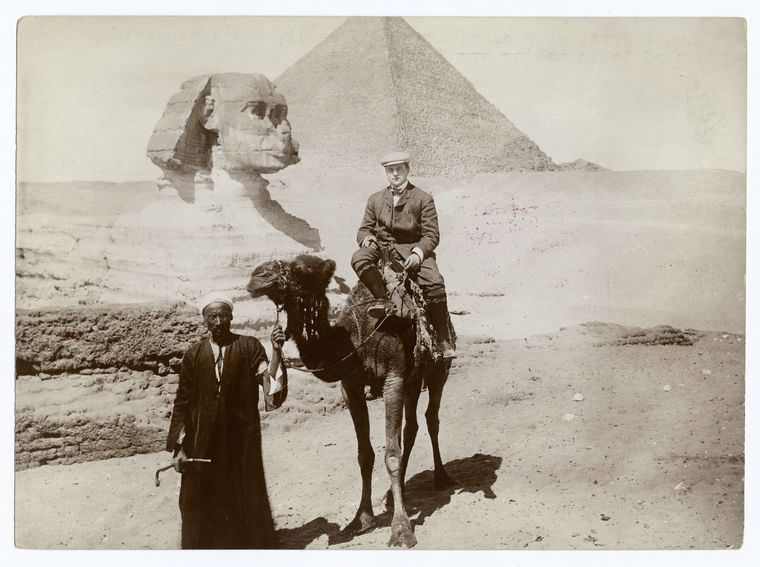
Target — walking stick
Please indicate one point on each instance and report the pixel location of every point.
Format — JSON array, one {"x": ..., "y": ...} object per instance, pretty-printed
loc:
[{"x": 167, "y": 467}]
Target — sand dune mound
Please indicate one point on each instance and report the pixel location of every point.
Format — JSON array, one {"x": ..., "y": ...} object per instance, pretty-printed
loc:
[
  {"x": 579, "y": 165},
  {"x": 610, "y": 334}
]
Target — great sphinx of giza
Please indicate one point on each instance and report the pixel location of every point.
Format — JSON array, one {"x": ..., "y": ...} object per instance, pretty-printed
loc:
[
  {"x": 229, "y": 122},
  {"x": 213, "y": 218}
]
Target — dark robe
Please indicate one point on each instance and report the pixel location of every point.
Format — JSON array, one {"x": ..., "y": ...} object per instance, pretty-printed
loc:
[{"x": 223, "y": 504}]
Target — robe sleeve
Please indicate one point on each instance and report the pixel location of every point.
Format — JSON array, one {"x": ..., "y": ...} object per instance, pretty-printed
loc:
[
  {"x": 181, "y": 401},
  {"x": 273, "y": 397}
]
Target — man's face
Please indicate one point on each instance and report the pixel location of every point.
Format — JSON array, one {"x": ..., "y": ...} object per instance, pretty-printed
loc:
[
  {"x": 397, "y": 174},
  {"x": 218, "y": 317}
]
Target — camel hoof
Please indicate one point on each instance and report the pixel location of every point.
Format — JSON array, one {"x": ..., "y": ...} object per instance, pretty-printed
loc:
[
  {"x": 402, "y": 536},
  {"x": 443, "y": 481},
  {"x": 362, "y": 523}
]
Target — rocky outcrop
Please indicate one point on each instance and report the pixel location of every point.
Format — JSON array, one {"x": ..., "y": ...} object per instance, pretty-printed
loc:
[
  {"x": 99, "y": 382},
  {"x": 138, "y": 337},
  {"x": 75, "y": 418},
  {"x": 578, "y": 165}
]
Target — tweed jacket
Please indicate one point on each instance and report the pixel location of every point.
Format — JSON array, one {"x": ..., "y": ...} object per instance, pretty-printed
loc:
[{"x": 412, "y": 223}]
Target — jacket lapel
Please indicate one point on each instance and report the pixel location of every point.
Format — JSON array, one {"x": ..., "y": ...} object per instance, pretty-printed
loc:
[
  {"x": 405, "y": 196},
  {"x": 387, "y": 199}
]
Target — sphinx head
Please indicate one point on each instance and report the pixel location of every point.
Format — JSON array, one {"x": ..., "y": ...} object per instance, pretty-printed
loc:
[{"x": 232, "y": 121}]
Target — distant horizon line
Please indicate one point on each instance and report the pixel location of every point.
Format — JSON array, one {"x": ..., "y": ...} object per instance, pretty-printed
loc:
[{"x": 604, "y": 170}]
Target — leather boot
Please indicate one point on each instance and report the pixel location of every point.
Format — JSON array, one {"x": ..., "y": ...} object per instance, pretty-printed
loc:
[
  {"x": 374, "y": 281},
  {"x": 439, "y": 318}
]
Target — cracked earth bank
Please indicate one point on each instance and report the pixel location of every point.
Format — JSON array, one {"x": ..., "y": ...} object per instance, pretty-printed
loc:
[{"x": 651, "y": 457}]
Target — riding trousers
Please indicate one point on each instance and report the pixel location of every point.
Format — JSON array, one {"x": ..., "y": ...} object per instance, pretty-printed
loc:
[{"x": 428, "y": 277}]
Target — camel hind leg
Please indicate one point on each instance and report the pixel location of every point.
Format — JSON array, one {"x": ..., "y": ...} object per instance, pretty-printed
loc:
[
  {"x": 353, "y": 394},
  {"x": 411, "y": 426},
  {"x": 435, "y": 383}
]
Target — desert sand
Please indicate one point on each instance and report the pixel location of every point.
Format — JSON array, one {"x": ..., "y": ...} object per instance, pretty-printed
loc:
[{"x": 652, "y": 456}]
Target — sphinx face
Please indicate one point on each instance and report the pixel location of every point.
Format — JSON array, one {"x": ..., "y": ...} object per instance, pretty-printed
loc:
[
  {"x": 248, "y": 139},
  {"x": 232, "y": 121}
]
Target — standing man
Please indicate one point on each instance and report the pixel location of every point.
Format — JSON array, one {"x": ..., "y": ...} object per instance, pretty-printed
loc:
[
  {"x": 403, "y": 217},
  {"x": 224, "y": 503}
]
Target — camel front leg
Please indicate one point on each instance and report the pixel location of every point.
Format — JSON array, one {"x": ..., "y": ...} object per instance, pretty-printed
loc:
[
  {"x": 441, "y": 479},
  {"x": 393, "y": 393},
  {"x": 353, "y": 394},
  {"x": 411, "y": 426}
]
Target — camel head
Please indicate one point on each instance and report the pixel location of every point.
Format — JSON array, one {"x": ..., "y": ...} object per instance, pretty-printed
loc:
[
  {"x": 299, "y": 286},
  {"x": 304, "y": 276}
]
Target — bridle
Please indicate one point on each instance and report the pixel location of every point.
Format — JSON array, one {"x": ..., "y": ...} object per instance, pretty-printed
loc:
[{"x": 280, "y": 307}]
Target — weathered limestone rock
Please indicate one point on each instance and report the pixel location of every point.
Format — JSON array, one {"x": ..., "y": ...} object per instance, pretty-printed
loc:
[
  {"x": 213, "y": 218},
  {"x": 138, "y": 337},
  {"x": 240, "y": 114}
]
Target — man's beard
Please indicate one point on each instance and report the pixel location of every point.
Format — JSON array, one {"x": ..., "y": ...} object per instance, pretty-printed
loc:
[{"x": 222, "y": 333}]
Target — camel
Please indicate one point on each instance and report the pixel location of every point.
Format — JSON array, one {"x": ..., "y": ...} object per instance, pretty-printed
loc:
[{"x": 362, "y": 351}]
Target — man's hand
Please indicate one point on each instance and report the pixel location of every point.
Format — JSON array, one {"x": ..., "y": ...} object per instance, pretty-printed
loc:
[
  {"x": 412, "y": 263},
  {"x": 370, "y": 241},
  {"x": 178, "y": 460},
  {"x": 277, "y": 338}
]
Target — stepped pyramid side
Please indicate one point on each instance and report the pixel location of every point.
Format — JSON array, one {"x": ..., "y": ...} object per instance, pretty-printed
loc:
[
  {"x": 375, "y": 84},
  {"x": 340, "y": 97},
  {"x": 446, "y": 124}
]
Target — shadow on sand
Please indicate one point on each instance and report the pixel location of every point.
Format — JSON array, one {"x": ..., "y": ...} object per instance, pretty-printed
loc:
[{"x": 472, "y": 474}]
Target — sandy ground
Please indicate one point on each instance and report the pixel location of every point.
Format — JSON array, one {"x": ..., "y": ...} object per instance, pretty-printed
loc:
[
  {"x": 651, "y": 458},
  {"x": 522, "y": 253}
]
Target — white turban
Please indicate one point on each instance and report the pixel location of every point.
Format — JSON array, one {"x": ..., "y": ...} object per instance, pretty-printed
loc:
[{"x": 215, "y": 297}]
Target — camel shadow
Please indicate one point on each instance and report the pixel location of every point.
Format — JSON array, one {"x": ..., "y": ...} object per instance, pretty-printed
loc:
[
  {"x": 299, "y": 538},
  {"x": 472, "y": 474}
]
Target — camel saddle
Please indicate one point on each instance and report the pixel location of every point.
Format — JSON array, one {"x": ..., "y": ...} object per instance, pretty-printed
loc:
[{"x": 409, "y": 304}]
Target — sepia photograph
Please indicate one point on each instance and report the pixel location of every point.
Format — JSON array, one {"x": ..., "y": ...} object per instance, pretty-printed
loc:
[{"x": 380, "y": 282}]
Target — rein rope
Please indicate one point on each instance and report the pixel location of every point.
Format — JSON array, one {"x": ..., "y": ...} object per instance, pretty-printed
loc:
[
  {"x": 337, "y": 362},
  {"x": 281, "y": 307}
]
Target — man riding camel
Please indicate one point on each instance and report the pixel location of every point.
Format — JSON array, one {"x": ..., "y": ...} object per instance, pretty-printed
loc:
[{"x": 403, "y": 217}]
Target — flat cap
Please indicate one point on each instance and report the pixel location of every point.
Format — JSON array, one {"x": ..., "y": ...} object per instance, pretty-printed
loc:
[{"x": 395, "y": 157}]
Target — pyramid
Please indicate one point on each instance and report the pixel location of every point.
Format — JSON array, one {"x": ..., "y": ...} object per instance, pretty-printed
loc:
[{"x": 375, "y": 84}]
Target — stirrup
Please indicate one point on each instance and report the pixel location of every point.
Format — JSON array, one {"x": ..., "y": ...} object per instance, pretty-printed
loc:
[
  {"x": 380, "y": 308},
  {"x": 445, "y": 350}
]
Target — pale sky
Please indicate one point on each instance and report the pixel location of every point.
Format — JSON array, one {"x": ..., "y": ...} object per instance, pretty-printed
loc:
[{"x": 624, "y": 93}]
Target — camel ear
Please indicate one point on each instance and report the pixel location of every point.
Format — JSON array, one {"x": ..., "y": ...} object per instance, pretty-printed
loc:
[
  {"x": 178, "y": 140},
  {"x": 312, "y": 273},
  {"x": 329, "y": 268}
]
